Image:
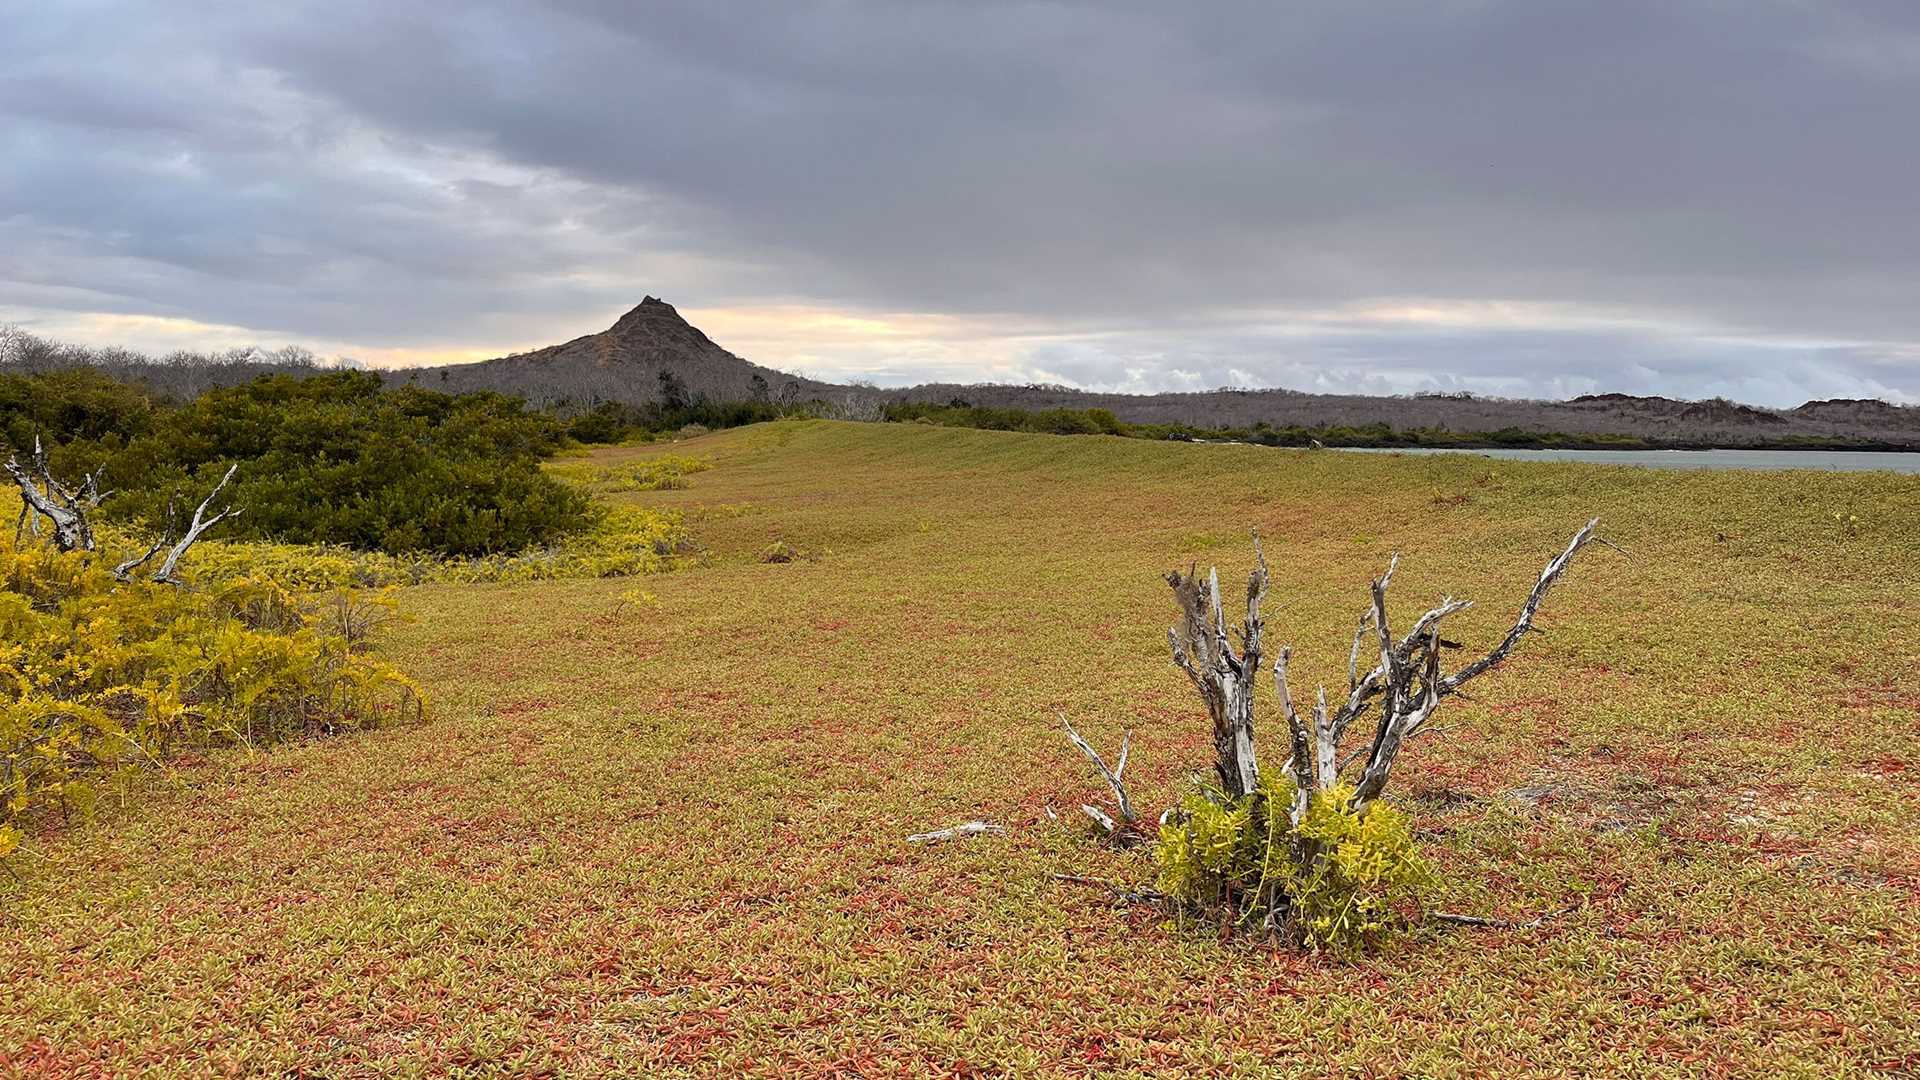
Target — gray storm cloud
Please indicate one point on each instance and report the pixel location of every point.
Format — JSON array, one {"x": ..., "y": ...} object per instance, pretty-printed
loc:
[{"x": 1688, "y": 198}]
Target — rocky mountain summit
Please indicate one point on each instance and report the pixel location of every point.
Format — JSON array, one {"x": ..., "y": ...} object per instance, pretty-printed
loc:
[{"x": 625, "y": 362}]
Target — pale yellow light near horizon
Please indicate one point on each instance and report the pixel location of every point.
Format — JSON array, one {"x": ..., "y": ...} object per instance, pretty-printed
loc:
[
  {"x": 838, "y": 342},
  {"x": 768, "y": 334}
]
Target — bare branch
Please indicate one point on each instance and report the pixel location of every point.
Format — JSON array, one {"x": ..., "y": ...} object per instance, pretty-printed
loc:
[
  {"x": 1113, "y": 776},
  {"x": 200, "y": 524},
  {"x": 1415, "y": 664},
  {"x": 1130, "y": 895},
  {"x": 1324, "y": 773},
  {"x": 1101, "y": 818},
  {"x": 1300, "y": 763},
  {"x": 1524, "y": 622},
  {"x": 1223, "y": 678},
  {"x": 124, "y": 571},
  {"x": 1353, "y": 657},
  {"x": 41, "y": 494},
  {"x": 1482, "y": 923}
]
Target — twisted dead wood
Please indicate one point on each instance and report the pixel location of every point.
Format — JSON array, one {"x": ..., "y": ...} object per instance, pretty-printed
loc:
[
  {"x": 965, "y": 828},
  {"x": 1114, "y": 776},
  {"x": 66, "y": 509},
  {"x": 1223, "y": 676},
  {"x": 1406, "y": 682}
]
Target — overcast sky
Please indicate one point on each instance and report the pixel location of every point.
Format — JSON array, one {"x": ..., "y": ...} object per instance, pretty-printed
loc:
[{"x": 1529, "y": 198}]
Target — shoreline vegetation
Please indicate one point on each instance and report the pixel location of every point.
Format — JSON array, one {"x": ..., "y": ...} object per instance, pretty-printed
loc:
[
  {"x": 665, "y": 375},
  {"x": 1362, "y": 437}
]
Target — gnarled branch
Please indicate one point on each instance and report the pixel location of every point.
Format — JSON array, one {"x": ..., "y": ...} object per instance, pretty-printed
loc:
[
  {"x": 67, "y": 509},
  {"x": 1409, "y": 675},
  {"x": 1406, "y": 683},
  {"x": 965, "y": 828}
]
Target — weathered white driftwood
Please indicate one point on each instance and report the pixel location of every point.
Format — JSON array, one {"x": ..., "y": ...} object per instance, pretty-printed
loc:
[
  {"x": 1115, "y": 777},
  {"x": 1405, "y": 684},
  {"x": 967, "y": 828},
  {"x": 1408, "y": 684},
  {"x": 68, "y": 510}
]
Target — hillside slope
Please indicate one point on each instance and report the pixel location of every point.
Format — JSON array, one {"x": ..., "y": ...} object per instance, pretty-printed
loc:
[
  {"x": 1666, "y": 420},
  {"x": 624, "y": 363}
]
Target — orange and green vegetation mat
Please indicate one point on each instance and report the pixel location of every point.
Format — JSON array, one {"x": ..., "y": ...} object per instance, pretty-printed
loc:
[{"x": 660, "y": 831}]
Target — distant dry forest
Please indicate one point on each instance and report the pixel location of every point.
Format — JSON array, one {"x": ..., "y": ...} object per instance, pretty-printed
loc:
[{"x": 653, "y": 371}]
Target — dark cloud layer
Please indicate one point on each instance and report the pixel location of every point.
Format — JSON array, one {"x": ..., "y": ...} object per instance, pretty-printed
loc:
[{"x": 1527, "y": 197}]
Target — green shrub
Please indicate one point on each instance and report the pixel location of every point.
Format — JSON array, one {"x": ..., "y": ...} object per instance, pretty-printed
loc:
[
  {"x": 1337, "y": 881},
  {"x": 60, "y": 406},
  {"x": 334, "y": 459}
]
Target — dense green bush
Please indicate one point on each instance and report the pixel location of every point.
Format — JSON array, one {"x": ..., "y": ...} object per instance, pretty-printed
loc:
[
  {"x": 76, "y": 403},
  {"x": 330, "y": 459},
  {"x": 614, "y": 421}
]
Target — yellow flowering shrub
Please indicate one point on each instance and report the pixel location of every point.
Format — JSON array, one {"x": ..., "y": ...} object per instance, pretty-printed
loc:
[
  {"x": 667, "y": 472},
  {"x": 625, "y": 541},
  {"x": 104, "y": 677},
  {"x": 1334, "y": 881}
]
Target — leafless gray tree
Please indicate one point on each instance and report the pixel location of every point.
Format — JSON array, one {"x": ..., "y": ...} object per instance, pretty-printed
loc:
[{"x": 1398, "y": 693}]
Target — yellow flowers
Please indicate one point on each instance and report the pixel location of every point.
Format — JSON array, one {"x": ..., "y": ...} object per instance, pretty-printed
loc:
[
  {"x": 102, "y": 677},
  {"x": 1335, "y": 878},
  {"x": 628, "y": 540},
  {"x": 668, "y": 472},
  {"x": 665, "y": 473}
]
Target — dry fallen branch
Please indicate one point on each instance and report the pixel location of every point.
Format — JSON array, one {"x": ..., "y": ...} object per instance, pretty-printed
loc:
[
  {"x": 968, "y": 828},
  {"x": 1123, "y": 892},
  {"x": 1115, "y": 776},
  {"x": 1481, "y": 923},
  {"x": 124, "y": 571},
  {"x": 69, "y": 509}
]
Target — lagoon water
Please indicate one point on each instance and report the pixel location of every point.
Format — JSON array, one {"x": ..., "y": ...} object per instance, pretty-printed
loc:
[{"x": 1829, "y": 460}]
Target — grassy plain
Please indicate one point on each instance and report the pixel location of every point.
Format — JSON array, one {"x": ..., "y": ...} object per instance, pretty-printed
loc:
[{"x": 655, "y": 826}]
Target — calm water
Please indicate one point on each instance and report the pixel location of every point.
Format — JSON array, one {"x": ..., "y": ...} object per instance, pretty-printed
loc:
[{"x": 1832, "y": 460}]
